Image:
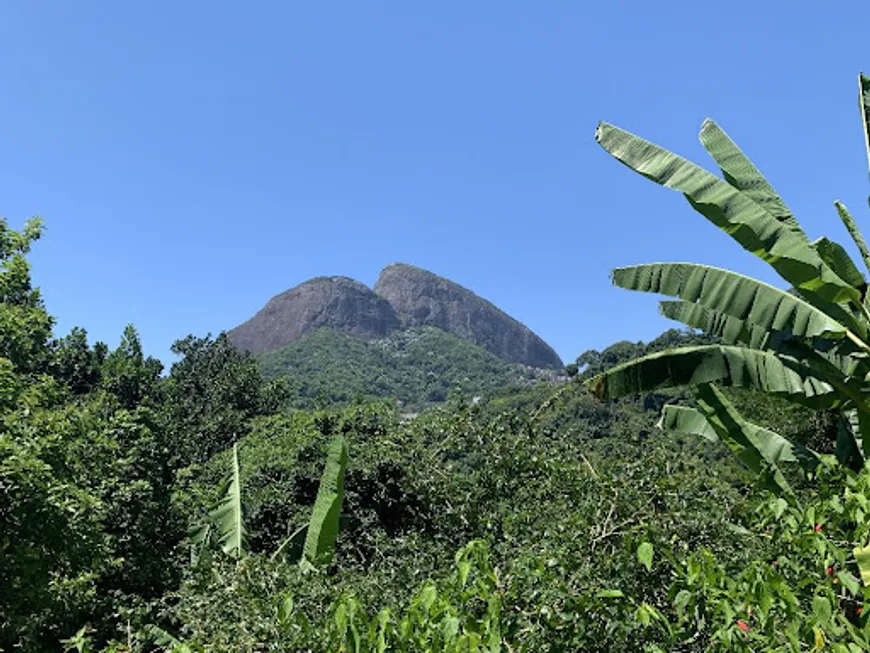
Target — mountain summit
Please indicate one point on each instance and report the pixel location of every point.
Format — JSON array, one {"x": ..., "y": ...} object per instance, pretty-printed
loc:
[
  {"x": 337, "y": 303},
  {"x": 404, "y": 297},
  {"x": 421, "y": 298}
]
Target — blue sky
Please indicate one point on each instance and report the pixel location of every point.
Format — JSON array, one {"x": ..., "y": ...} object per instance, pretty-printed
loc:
[{"x": 193, "y": 159}]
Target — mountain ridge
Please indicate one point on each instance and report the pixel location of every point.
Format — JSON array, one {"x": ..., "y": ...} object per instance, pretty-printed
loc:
[
  {"x": 422, "y": 298},
  {"x": 335, "y": 302},
  {"x": 404, "y": 296}
]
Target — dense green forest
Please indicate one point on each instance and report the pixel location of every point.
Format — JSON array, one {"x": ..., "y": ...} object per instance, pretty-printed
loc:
[
  {"x": 701, "y": 492},
  {"x": 418, "y": 366}
]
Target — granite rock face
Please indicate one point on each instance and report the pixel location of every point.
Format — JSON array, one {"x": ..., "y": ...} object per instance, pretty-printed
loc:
[
  {"x": 421, "y": 298},
  {"x": 403, "y": 297},
  {"x": 335, "y": 303}
]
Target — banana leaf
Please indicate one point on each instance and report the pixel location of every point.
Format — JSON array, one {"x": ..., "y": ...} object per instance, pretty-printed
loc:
[
  {"x": 862, "y": 558},
  {"x": 750, "y": 300},
  {"x": 325, "y": 519},
  {"x": 769, "y": 445},
  {"x": 227, "y": 519},
  {"x": 759, "y": 455},
  {"x": 779, "y": 243},
  {"x": 741, "y": 173},
  {"x": 200, "y": 539},
  {"x": 839, "y": 261},
  {"x": 687, "y": 421},
  {"x": 854, "y": 232},
  {"x": 857, "y": 423},
  {"x": 729, "y": 329},
  {"x": 292, "y": 546},
  {"x": 848, "y": 448},
  {"x": 160, "y": 637},
  {"x": 843, "y": 372},
  {"x": 728, "y": 365},
  {"x": 864, "y": 103}
]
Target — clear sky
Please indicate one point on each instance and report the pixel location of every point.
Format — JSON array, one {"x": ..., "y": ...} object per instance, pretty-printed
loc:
[{"x": 192, "y": 159}]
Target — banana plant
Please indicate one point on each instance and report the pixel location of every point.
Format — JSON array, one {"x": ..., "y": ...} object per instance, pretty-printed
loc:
[
  {"x": 808, "y": 343},
  {"x": 224, "y": 527},
  {"x": 325, "y": 519}
]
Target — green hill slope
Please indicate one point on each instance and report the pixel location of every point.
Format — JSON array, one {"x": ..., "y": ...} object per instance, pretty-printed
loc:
[{"x": 417, "y": 366}]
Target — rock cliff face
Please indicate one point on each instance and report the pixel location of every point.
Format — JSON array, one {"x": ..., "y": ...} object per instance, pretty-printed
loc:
[
  {"x": 335, "y": 303},
  {"x": 421, "y": 298},
  {"x": 404, "y": 297}
]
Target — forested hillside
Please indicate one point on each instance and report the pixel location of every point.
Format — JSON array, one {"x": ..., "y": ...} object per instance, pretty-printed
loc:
[{"x": 417, "y": 366}]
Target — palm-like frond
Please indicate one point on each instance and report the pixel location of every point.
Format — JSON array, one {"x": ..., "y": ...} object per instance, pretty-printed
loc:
[{"x": 325, "y": 519}]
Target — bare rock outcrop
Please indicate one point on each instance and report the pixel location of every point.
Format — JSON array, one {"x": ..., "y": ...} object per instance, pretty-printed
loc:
[
  {"x": 337, "y": 303},
  {"x": 421, "y": 298},
  {"x": 403, "y": 297}
]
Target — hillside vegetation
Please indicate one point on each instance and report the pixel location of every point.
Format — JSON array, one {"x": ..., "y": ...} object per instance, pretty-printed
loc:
[{"x": 417, "y": 366}]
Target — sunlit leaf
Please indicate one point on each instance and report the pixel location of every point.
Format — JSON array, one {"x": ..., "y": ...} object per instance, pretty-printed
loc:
[
  {"x": 755, "y": 303},
  {"x": 727, "y": 365},
  {"x": 862, "y": 557},
  {"x": 645, "y": 555},
  {"x": 227, "y": 518},
  {"x": 325, "y": 519},
  {"x": 778, "y": 242}
]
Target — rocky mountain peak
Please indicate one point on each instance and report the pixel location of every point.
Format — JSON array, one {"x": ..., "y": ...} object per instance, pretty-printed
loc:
[
  {"x": 403, "y": 297},
  {"x": 421, "y": 298},
  {"x": 337, "y": 303}
]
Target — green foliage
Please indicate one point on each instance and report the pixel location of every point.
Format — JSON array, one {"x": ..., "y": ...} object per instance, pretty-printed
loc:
[
  {"x": 25, "y": 326},
  {"x": 808, "y": 345},
  {"x": 560, "y": 511},
  {"x": 212, "y": 394},
  {"x": 594, "y": 362},
  {"x": 323, "y": 527},
  {"x": 461, "y": 614},
  {"x": 128, "y": 374},
  {"x": 803, "y": 594},
  {"x": 51, "y": 542},
  {"x": 85, "y": 490},
  {"x": 225, "y": 526},
  {"x": 418, "y": 366},
  {"x": 75, "y": 365}
]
